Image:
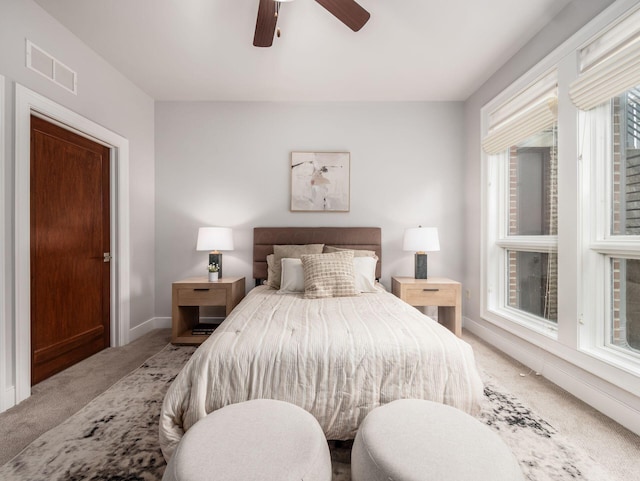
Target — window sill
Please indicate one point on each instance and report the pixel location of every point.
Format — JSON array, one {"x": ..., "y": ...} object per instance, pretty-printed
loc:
[
  {"x": 521, "y": 324},
  {"x": 615, "y": 357},
  {"x": 612, "y": 366}
]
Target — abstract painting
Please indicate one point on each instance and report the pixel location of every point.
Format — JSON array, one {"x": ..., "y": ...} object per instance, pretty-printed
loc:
[{"x": 320, "y": 181}]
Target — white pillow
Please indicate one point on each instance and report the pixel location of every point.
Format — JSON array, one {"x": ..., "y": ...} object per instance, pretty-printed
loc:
[
  {"x": 364, "y": 271},
  {"x": 292, "y": 279}
]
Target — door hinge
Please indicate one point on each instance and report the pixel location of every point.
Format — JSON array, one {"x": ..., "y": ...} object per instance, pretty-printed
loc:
[{"x": 107, "y": 256}]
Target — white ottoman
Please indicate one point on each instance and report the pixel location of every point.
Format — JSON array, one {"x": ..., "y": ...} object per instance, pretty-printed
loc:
[
  {"x": 412, "y": 439},
  {"x": 255, "y": 440}
]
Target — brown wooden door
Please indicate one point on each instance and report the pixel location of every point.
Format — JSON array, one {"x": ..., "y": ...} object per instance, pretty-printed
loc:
[{"x": 70, "y": 224}]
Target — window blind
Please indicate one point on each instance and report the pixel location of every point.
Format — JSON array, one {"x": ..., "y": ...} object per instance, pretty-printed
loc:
[
  {"x": 528, "y": 112},
  {"x": 609, "y": 65}
]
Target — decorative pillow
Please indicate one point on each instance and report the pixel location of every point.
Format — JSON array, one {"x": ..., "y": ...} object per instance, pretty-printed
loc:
[
  {"x": 293, "y": 251},
  {"x": 271, "y": 273},
  {"x": 364, "y": 271},
  {"x": 328, "y": 275},
  {"x": 292, "y": 279},
  {"x": 356, "y": 252}
]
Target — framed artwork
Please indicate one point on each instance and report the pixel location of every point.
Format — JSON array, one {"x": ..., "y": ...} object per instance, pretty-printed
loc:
[{"x": 320, "y": 181}]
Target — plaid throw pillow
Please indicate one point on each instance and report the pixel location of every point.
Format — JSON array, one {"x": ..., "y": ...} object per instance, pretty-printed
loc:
[{"x": 328, "y": 275}]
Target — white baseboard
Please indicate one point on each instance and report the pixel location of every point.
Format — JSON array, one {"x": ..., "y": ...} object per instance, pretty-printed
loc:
[
  {"x": 148, "y": 326},
  {"x": 582, "y": 384},
  {"x": 8, "y": 398}
]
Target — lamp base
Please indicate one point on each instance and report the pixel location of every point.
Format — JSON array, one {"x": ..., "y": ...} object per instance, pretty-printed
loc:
[
  {"x": 421, "y": 266},
  {"x": 216, "y": 258}
]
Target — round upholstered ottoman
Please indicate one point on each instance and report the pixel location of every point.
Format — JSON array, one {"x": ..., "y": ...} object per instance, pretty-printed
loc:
[
  {"x": 412, "y": 439},
  {"x": 262, "y": 440}
]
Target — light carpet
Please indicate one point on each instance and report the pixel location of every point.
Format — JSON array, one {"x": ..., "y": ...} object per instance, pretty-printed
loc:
[{"x": 115, "y": 436}]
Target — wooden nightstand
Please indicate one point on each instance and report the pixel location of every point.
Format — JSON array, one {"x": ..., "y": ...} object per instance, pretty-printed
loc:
[
  {"x": 435, "y": 291},
  {"x": 190, "y": 294}
]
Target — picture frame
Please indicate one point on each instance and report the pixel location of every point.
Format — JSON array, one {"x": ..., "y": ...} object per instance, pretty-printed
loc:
[{"x": 320, "y": 181}]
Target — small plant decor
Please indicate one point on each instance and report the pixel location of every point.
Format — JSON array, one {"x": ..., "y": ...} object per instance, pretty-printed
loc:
[{"x": 213, "y": 272}]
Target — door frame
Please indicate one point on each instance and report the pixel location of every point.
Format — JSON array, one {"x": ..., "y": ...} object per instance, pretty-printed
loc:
[
  {"x": 28, "y": 103},
  {"x": 4, "y": 402}
]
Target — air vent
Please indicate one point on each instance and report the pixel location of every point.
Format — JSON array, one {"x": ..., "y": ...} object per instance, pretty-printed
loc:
[{"x": 46, "y": 65}]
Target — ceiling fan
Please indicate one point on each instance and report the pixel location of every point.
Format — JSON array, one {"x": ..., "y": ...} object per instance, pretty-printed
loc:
[{"x": 348, "y": 12}]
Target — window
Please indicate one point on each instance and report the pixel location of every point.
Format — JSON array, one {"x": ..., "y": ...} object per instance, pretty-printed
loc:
[
  {"x": 561, "y": 206},
  {"x": 624, "y": 330},
  {"x": 625, "y": 202},
  {"x": 533, "y": 283},
  {"x": 612, "y": 157},
  {"x": 608, "y": 93},
  {"x": 533, "y": 201},
  {"x": 523, "y": 147}
]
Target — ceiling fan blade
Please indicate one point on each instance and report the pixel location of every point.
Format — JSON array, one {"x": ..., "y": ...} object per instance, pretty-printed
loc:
[
  {"x": 348, "y": 12},
  {"x": 265, "y": 24}
]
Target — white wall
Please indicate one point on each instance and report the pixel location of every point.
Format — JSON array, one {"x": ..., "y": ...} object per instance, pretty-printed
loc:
[
  {"x": 106, "y": 98},
  {"x": 227, "y": 164}
]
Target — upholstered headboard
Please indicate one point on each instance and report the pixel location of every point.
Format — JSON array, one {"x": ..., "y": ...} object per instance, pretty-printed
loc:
[{"x": 264, "y": 238}]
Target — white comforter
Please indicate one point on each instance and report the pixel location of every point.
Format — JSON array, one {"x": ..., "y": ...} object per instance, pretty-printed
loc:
[{"x": 338, "y": 358}]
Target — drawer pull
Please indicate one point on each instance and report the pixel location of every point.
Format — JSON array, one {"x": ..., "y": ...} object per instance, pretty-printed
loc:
[
  {"x": 430, "y": 290},
  {"x": 201, "y": 289}
]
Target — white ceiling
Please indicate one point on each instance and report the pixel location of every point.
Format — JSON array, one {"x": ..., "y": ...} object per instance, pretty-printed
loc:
[{"x": 202, "y": 49}]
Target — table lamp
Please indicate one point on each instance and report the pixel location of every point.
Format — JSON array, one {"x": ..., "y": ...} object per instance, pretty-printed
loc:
[
  {"x": 421, "y": 240},
  {"x": 215, "y": 239}
]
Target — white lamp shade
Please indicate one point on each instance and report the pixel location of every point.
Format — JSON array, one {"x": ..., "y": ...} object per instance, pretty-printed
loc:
[
  {"x": 421, "y": 239},
  {"x": 215, "y": 239}
]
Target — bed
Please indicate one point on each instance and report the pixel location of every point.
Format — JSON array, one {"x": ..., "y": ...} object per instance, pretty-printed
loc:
[{"x": 336, "y": 357}]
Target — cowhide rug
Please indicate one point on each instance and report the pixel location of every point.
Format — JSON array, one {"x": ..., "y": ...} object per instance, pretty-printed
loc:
[{"x": 115, "y": 437}]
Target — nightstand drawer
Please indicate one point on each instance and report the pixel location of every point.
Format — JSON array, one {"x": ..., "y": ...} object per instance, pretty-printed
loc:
[
  {"x": 430, "y": 296},
  {"x": 202, "y": 296},
  {"x": 435, "y": 291}
]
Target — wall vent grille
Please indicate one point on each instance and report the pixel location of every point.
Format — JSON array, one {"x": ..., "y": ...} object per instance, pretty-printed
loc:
[{"x": 48, "y": 66}]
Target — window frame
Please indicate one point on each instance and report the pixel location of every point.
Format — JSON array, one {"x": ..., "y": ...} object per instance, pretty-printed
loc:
[
  {"x": 499, "y": 242},
  {"x": 601, "y": 246}
]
